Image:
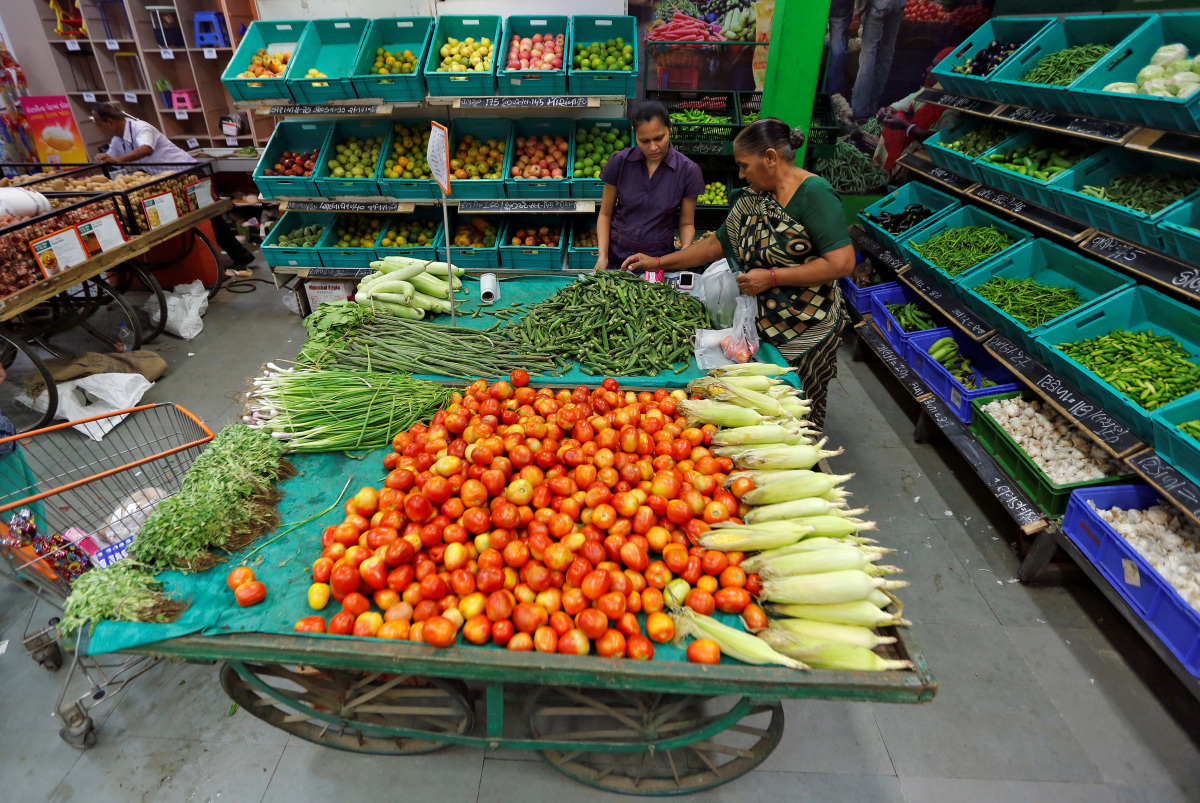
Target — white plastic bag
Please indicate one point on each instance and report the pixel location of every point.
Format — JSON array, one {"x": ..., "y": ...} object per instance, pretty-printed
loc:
[
  {"x": 708, "y": 348},
  {"x": 720, "y": 288},
  {"x": 742, "y": 343},
  {"x": 185, "y": 306},
  {"x": 95, "y": 395},
  {"x": 127, "y": 519}
]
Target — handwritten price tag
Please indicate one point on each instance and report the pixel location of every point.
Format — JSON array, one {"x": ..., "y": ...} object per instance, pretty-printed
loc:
[
  {"x": 89, "y": 97},
  {"x": 210, "y": 52},
  {"x": 72, "y": 45},
  {"x": 166, "y": 54}
]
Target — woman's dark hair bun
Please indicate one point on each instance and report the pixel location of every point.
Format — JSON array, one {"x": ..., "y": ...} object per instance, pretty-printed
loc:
[{"x": 796, "y": 138}]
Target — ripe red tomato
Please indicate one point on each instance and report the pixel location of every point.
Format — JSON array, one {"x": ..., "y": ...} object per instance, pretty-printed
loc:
[
  {"x": 438, "y": 631},
  {"x": 342, "y": 624},
  {"x": 250, "y": 593},
  {"x": 374, "y": 573},
  {"x": 343, "y": 579},
  {"x": 502, "y": 632},
  {"x": 545, "y": 639},
  {"x": 519, "y": 378},
  {"x": 611, "y": 644},
  {"x": 732, "y": 600},
  {"x": 239, "y": 576},
  {"x": 355, "y": 603},
  {"x": 310, "y": 624},
  {"x": 639, "y": 648},
  {"x": 754, "y": 618},
  {"x": 700, "y": 601},
  {"x": 612, "y": 605},
  {"x": 321, "y": 570},
  {"x": 704, "y": 651}
]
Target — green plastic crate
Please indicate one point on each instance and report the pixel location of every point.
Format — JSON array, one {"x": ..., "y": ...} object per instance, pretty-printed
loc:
[
  {"x": 1134, "y": 309},
  {"x": 462, "y": 84},
  {"x": 1050, "y": 497},
  {"x": 436, "y": 250},
  {"x": 520, "y": 257},
  {"x": 1048, "y": 264},
  {"x": 475, "y": 259},
  {"x": 343, "y": 130},
  {"x": 539, "y": 187},
  {"x": 963, "y": 217},
  {"x": 1006, "y": 30},
  {"x": 1181, "y": 231},
  {"x": 331, "y": 47},
  {"x": 532, "y": 82},
  {"x": 393, "y": 34},
  {"x": 482, "y": 129},
  {"x": 1177, "y": 447},
  {"x": 335, "y": 257},
  {"x": 282, "y": 256},
  {"x": 581, "y": 258},
  {"x": 715, "y": 103},
  {"x": 406, "y": 188},
  {"x": 594, "y": 187},
  {"x": 281, "y": 36},
  {"x": 297, "y": 136},
  {"x": 585, "y": 31}
]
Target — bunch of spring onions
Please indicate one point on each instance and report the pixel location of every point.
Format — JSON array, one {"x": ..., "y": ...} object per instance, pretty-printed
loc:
[
  {"x": 330, "y": 411},
  {"x": 124, "y": 592},
  {"x": 824, "y": 580},
  {"x": 410, "y": 287}
]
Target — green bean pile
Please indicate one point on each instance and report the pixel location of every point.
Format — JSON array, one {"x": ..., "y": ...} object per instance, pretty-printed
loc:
[
  {"x": 1145, "y": 192},
  {"x": 1191, "y": 428},
  {"x": 1151, "y": 369},
  {"x": 955, "y": 250},
  {"x": 1041, "y": 161},
  {"x": 697, "y": 116},
  {"x": 1030, "y": 302},
  {"x": 910, "y": 317},
  {"x": 750, "y": 117},
  {"x": 1063, "y": 67},
  {"x": 614, "y": 323},
  {"x": 851, "y": 171},
  {"x": 979, "y": 141}
]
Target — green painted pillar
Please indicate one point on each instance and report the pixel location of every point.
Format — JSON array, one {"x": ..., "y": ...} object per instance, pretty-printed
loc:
[{"x": 794, "y": 61}]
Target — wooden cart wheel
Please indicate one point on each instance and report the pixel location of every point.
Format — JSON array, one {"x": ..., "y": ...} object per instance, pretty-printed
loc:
[
  {"x": 716, "y": 739},
  {"x": 362, "y": 712}
]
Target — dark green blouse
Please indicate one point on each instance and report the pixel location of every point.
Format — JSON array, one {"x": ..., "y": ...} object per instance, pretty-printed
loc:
[{"x": 815, "y": 205}]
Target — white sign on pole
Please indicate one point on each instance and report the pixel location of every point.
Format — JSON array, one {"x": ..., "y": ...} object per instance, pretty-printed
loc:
[{"x": 438, "y": 156}]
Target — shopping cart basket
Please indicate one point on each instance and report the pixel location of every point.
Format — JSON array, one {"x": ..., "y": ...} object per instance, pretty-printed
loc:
[{"x": 90, "y": 493}]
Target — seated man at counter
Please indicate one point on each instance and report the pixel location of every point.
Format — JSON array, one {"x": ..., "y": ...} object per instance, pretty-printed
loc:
[{"x": 137, "y": 141}]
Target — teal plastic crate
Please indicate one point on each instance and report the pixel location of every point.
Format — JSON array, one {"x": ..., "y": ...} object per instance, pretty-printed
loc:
[
  {"x": 1177, "y": 447},
  {"x": 1124, "y": 63},
  {"x": 525, "y": 127},
  {"x": 533, "y": 82},
  {"x": 407, "y": 188},
  {"x": 335, "y": 257},
  {"x": 1107, "y": 29},
  {"x": 953, "y": 160},
  {"x": 1042, "y": 491},
  {"x": 330, "y": 46},
  {"x": 913, "y": 192},
  {"x": 472, "y": 259},
  {"x": 435, "y": 250},
  {"x": 1005, "y": 30},
  {"x": 581, "y": 258},
  {"x": 1022, "y": 186},
  {"x": 281, "y": 256},
  {"x": 960, "y": 218},
  {"x": 482, "y": 130},
  {"x": 1134, "y": 309},
  {"x": 1048, "y": 264},
  {"x": 1122, "y": 221},
  {"x": 393, "y": 34},
  {"x": 587, "y": 30},
  {"x": 330, "y": 186},
  {"x": 594, "y": 187},
  {"x": 462, "y": 84},
  {"x": 521, "y": 257},
  {"x": 281, "y": 36},
  {"x": 297, "y": 136},
  {"x": 1181, "y": 231}
]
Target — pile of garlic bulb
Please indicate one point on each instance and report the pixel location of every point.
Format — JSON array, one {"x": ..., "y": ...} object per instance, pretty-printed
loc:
[
  {"x": 1062, "y": 452},
  {"x": 1168, "y": 543}
]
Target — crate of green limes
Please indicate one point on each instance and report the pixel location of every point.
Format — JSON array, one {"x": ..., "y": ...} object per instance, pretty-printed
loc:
[
  {"x": 350, "y": 241},
  {"x": 595, "y": 143},
  {"x": 610, "y": 45},
  {"x": 417, "y": 234},
  {"x": 352, "y": 158},
  {"x": 293, "y": 241}
]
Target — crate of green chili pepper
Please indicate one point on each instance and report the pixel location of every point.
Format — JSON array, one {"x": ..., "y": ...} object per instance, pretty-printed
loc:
[
  {"x": 1126, "y": 193},
  {"x": 1035, "y": 284},
  {"x": 958, "y": 372},
  {"x": 707, "y": 116},
  {"x": 1177, "y": 435},
  {"x": 969, "y": 66},
  {"x": 1181, "y": 231},
  {"x": 924, "y": 203},
  {"x": 960, "y": 241},
  {"x": 958, "y": 146},
  {"x": 1140, "y": 351},
  {"x": 1042, "y": 73},
  {"x": 1028, "y": 163},
  {"x": 899, "y": 313}
]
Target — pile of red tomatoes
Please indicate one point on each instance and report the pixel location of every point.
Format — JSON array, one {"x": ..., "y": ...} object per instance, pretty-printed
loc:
[{"x": 537, "y": 520}]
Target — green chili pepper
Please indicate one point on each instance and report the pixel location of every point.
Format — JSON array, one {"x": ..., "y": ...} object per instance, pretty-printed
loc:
[
  {"x": 1151, "y": 369},
  {"x": 1030, "y": 302},
  {"x": 1063, "y": 67},
  {"x": 955, "y": 250}
]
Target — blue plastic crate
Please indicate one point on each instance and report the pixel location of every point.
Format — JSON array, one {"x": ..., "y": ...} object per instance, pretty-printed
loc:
[
  {"x": 1107, "y": 29},
  {"x": 400, "y": 187},
  {"x": 1133, "y": 309},
  {"x": 1109, "y": 217},
  {"x": 893, "y": 333},
  {"x": 1003, "y": 29},
  {"x": 1124, "y": 63},
  {"x": 913, "y": 192},
  {"x": 436, "y": 250},
  {"x": 539, "y": 187},
  {"x": 297, "y": 136},
  {"x": 481, "y": 129},
  {"x": 966, "y": 216},
  {"x": 281, "y": 256},
  {"x": 944, "y": 385},
  {"x": 331, "y": 47},
  {"x": 331, "y": 187},
  {"x": 1155, "y": 600},
  {"x": 279, "y": 36},
  {"x": 462, "y": 84},
  {"x": 521, "y": 257},
  {"x": 532, "y": 82},
  {"x": 859, "y": 298},
  {"x": 951, "y": 159},
  {"x": 585, "y": 31},
  {"x": 594, "y": 187},
  {"x": 475, "y": 259},
  {"x": 1029, "y": 187},
  {"x": 1177, "y": 447},
  {"x": 393, "y": 34},
  {"x": 581, "y": 258},
  {"x": 1180, "y": 230},
  {"x": 1048, "y": 264}
]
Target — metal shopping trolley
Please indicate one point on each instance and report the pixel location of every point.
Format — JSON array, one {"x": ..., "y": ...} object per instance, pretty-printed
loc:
[{"x": 91, "y": 495}]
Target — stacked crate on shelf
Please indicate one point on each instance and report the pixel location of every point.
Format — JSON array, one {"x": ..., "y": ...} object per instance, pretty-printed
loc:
[
  {"x": 941, "y": 154},
  {"x": 897, "y": 201},
  {"x": 943, "y": 383},
  {"x": 893, "y": 332},
  {"x": 528, "y": 256},
  {"x": 964, "y": 217},
  {"x": 1022, "y": 180},
  {"x": 481, "y": 130},
  {"x": 321, "y": 67},
  {"x": 405, "y": 148},
  {"x": 296, "y": 256},
  {"x": 523, "y": 81},
  {"x": 474, "y": 241},
  {"x": 524, "y": 129},
  {"x": 591, "y": 186},
  {"x": 467, "y": 82},
  {"x": 587, "y": 30},
  {"x": 294, "y": 137},
  {"x": 1181, "y": 231},
  {"x": 1179, "y": 448},
  {"x": 352, "y": 254},
  {"x": 338, "y": 144},
  {"x": 582, "y": 257},
  {"x": 722, "y": 106},
  {"x": 392, "y": 239},
  {"x": 1003, "y": 30},
  {"x": 392, "y": 35},
  {"x": 278, "y": 36}
]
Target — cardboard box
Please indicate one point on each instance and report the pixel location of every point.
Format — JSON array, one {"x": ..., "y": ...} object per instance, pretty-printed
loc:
[{"x": 319, "y": 291}]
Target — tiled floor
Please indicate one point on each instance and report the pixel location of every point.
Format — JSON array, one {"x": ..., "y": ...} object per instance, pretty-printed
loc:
[{"x": 1044, "y": 694}]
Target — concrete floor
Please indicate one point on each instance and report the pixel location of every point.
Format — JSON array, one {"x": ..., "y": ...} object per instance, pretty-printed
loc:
[{"x": 1044, "y": 693}]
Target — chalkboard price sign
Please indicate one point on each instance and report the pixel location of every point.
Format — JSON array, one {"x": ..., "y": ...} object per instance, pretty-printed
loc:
[
  {"x": 524, "y": 102},
  {"x": 713, "y": 148},
  {"x": 343, "y": 206},
  {"x": 526, "y": 206},
  {"x": 1088, "y": 127},
  {"x": 340, "y": 273},
  {"x": 1172, "y": 274},
  {"x": 893, "y": 361},
  {"x": 323, "y": 109},
  {"x": 962, "y": 317},
  {"x": 875, "y": 249},
  {"x": 960, "y": 102},
  {"x": 1166, "y": 478},
  {"x": 1032, "y": 213}
]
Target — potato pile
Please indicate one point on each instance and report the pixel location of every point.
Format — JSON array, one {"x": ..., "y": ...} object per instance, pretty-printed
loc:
[
  {"x": 16, "y": 181},
  {"x": 99, "y": 182}
]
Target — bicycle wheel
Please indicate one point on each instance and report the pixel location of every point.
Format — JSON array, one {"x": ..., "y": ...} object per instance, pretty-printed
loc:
[
  {"x": 28, "y": 395},
  {"x": 91, "y": 315},
  {"x": 144, "y": 299}
]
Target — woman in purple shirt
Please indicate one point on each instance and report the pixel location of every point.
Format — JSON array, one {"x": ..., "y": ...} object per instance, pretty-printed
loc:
[{"x": 649, "y": 191}]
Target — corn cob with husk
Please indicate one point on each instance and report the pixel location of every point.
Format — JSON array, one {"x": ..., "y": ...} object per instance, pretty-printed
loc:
[
  {"x": 719, "y": 390},
  {"x": 784, "y": 457},
  {"x": 825, "y": 654},
  {"x": 816, "y": 544},
  {"x": 825, "y": 588},
  {"x": 861, "y": 613},
  {"x": 706, "y": 411},
  {"x": 767, "y": 434},
  {"x": 863, "y": 637},
  {"x": 750, "y": 539},
  {"x": 782, "y": 391},
  {"x": 747, "y": 648},
  {"x": 825, "y": 560},
  {"x": 759, "y": 383},
  {"x": 800, "y": 508},
  {"x": 751, "y": 369},
  {"x": 790, "y": 485}
]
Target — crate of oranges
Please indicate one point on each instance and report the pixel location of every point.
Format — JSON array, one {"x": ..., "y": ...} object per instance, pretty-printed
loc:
[
  {"x": 404, "y": 174},
  {"x": 351, "y": 242},
  {"x": 389, "y": 64},
  {"x": 474, "y": 245},
  {"x": 478, "y": 149}
]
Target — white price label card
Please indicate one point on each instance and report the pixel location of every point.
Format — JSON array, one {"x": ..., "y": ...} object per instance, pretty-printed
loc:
[
  {"x": 210, "y": 52},
  {"x": 58, "y": 251},
  {"x": 89, "y": 97},
  {"x": 130, "y": 97},
  {"x": 193, "y": 143},
  {"x": 101, "y": 233},
  {"x": 180, "y": 115},
  {"x": 72, "y": 45},
  {"x": 166, "y": 54},
  {"x": 160, "y": 209},
  {"x": 231, "y": 141},
  {"x": 437, "y": 153},
  {"x": 111, "y": 44},
  {"x": 199, "y": 194}
]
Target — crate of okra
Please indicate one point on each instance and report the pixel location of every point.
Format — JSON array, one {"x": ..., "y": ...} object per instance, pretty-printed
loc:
[
  {"x": 1132, "y": 353},
  {"x": 959, "y": 242}
]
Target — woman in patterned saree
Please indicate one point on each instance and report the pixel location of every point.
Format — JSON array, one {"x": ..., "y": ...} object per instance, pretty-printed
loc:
[{"x": 787, "y": 238}]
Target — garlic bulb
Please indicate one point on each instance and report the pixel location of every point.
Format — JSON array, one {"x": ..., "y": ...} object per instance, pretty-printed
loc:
[
  {"x": 1168, "y": 543},
  {"x": 1066, "y": 456}
]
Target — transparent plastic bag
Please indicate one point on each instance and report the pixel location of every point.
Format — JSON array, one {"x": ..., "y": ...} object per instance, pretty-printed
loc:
[
  {"x": 742, "y": 343},
  {"x": 720, "y": 288},
  {"x": 707, "y": 345}
]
